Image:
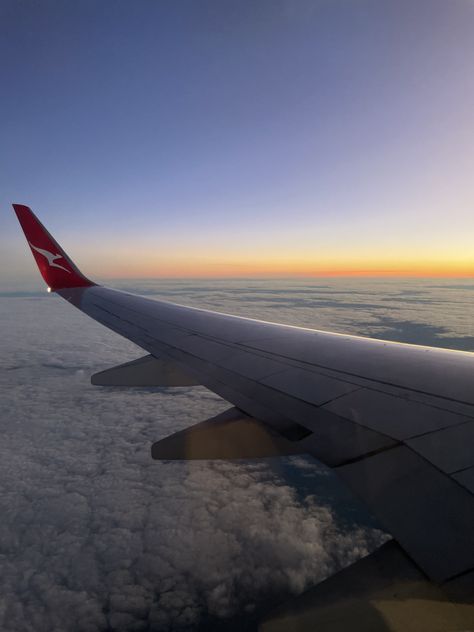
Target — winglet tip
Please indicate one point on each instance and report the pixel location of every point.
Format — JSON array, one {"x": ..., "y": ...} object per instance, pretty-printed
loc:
[
  {"x": 56, "y": 268},
  {"x": 23, "y": 213},
  {"x": 21, "y": 208}
]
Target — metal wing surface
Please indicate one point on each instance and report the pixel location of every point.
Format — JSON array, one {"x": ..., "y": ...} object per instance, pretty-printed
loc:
[{"x": 394, "y": 421}]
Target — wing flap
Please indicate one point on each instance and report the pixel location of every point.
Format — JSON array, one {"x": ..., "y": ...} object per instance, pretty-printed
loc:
[
  {"x": 422, "y": 508},
  {"x": 395, "y": 416},
  {"x": 382, "y": 591}
]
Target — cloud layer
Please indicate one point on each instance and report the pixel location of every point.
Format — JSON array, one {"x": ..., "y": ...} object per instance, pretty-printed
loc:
[{"x": 96, "y": 536}]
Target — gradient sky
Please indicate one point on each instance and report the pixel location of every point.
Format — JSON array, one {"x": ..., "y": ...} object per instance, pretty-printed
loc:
[{"x": 224, "y": 138}]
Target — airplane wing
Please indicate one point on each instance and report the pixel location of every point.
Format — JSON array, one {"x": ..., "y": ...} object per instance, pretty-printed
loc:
[{"x": 394, "y": 421}]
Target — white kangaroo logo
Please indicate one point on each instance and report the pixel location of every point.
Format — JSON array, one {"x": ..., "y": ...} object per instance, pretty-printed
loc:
[{"x": 50, "y": 257}]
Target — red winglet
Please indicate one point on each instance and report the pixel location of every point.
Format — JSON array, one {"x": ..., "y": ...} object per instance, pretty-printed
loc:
[{"x": 55, "y": 266}]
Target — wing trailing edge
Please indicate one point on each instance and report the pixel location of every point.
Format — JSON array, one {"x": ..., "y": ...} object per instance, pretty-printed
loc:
[{"x": 383, "y": 591}]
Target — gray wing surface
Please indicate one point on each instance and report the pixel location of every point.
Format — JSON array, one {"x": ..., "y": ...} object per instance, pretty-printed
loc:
[{"x": 394, "y": 421}]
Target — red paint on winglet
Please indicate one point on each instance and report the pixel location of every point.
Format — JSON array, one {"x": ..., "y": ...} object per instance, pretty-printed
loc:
[{"x": 55, "y": 266}]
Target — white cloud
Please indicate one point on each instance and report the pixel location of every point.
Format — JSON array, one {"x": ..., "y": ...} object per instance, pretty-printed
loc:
[{"x": 94, "y": 533}]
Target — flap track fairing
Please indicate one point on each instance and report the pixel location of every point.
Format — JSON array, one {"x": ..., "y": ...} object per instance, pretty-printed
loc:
[
  {"x": 230, "y": 435},
  {"x": 146, "y": 371}
]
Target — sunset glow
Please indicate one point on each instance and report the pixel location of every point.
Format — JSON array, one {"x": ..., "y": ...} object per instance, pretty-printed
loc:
[
  {"x": 280, "y": 267},
  {"x": 312, "y": 139}
]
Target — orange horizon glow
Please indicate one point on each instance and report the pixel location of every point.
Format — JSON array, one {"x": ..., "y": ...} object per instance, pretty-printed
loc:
[
  {"x": 383, "y": 261},
  {"x": 260, "y": 270}
]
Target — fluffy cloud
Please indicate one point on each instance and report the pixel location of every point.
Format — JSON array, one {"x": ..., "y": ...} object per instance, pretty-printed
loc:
[{"x": 96, "y": 536}]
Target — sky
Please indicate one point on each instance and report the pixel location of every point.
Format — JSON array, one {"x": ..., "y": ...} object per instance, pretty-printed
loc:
[{"x": 223, "y": 138}]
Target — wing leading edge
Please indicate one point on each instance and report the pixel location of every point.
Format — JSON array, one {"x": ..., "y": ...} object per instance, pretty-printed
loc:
[{"x": 395, "y": 421}]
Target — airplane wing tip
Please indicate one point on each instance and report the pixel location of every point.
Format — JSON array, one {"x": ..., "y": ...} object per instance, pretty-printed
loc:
[
  {"x": 21, "y": 209},
  {"x": 56, "y": 268}
]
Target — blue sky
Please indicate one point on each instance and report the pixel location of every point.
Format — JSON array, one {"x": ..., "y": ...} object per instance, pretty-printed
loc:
[{"x": 165, "y": 138}]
